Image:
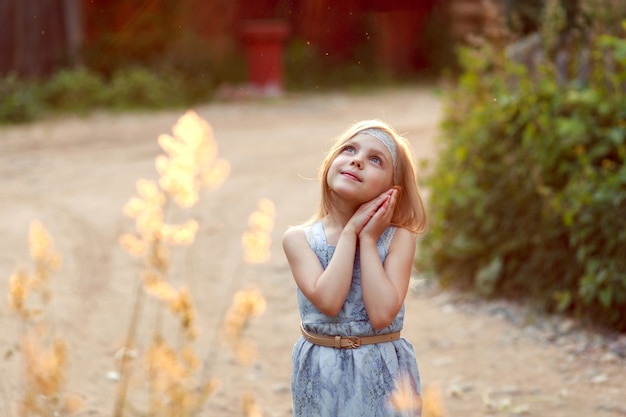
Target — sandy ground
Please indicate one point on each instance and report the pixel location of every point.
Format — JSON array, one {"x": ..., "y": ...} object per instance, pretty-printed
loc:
[{"x": 75, "y": 174}]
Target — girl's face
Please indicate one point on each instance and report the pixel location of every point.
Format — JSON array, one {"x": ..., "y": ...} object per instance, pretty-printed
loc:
[{"x": 362, "y": 170}]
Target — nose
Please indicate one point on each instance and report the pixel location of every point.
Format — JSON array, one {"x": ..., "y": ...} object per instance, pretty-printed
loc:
[{"x": 356, "y": 161}]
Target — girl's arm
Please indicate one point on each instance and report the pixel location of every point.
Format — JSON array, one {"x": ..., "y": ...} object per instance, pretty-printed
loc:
[
  {"x": 326, "y": 288},
  {"x": 385, "y": 286}
]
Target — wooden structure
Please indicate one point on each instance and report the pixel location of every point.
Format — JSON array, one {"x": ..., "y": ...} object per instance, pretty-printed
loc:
[
  {"x": 42, "y": 36},
  {"x": 39, "y": 36}
]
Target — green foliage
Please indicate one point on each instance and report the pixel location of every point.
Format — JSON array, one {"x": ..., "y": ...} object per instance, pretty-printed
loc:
[
  {"x": 529, "y": 195},
  {"x": 151, "y": 38},
  {"x": 19, "y": 101},
  {"x": 307, "y": 68},
  {"x": 82, "y": 90},
  {"x": 138, "y": 87},
  {"x": 75, "y": 90},
  {"x": 188, "y": 60}
]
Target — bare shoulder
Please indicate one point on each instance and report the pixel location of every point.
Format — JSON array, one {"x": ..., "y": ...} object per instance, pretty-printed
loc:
[
  {"x": 405, "y": 233},
  {"x": 293, "y": 235},
  {"x": 296, "y": 247},
  {"x": 404, "y": 238}
]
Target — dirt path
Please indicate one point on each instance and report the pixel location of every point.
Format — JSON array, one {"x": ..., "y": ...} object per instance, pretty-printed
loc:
[{"x": 75, "y": 174}]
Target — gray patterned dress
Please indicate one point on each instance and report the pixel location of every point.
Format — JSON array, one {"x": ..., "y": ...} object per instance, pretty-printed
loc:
[{"x": 330, "y": 382}]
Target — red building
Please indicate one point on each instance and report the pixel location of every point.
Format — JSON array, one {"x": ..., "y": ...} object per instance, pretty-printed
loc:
[{"x": 39, "y": 37}]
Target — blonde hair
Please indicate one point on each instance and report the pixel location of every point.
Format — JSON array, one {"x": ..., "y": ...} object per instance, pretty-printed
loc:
[{"x": 410, "y": 212}]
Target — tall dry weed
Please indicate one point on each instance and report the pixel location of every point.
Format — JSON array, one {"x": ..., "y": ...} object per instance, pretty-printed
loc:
[
  {"x": 167, "y": 367},
  {"x": 44, "y": 353},
  {"x": 172, "y": 371},
  {"x": 406, "y": 401},
  {"x": 249, "y": 302}
]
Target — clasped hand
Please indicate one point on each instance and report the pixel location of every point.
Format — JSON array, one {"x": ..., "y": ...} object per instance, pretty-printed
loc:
[{"x": 372, "y": 218}]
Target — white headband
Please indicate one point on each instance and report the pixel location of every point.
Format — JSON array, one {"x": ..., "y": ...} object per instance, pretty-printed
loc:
[{"x": 389, "y": 143}]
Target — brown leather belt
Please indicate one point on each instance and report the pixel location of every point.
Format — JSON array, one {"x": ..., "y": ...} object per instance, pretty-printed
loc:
[{"x": 347, "y": 342}]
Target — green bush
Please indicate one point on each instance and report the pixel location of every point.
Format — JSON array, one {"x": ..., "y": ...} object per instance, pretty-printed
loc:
[
  {"x": 19, "y": 101},
  {"x": 188, "y": 60},
  {"x": 139, "y": 87},
  {"x": 528, "y": 198},
  {"x": 82, "y": 90},
  {"x": 309, "y": 69},
  {"x": 76, "y": 90}
]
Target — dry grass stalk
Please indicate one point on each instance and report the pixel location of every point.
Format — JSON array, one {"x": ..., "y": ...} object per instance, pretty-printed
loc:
[
  {"x": 189, "y": 165},
  {"x": 257, "y": 239},
  {"x": 44, "y": 354},
  {"x": 432, "y": 402},
  {"x": 175, "y": 389},
  {"x": 249, "y": 302},
  {"x": 405, "y": 400},
  {"x": 250, "y": 407}
]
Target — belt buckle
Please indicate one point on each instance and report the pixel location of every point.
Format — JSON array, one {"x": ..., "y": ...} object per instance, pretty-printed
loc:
[{"x": 353, "y": 342}]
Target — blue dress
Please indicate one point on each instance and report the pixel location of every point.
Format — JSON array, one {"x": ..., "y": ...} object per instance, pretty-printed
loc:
[{"x": 330, "y": 382}]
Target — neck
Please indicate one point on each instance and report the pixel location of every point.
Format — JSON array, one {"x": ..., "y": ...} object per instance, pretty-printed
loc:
[{"x": 340, "y": 214}]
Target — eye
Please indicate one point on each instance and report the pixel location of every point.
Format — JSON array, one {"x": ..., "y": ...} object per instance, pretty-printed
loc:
[
  {"x": 376, "y": 160},
  {"x": 348, "y": 148}
]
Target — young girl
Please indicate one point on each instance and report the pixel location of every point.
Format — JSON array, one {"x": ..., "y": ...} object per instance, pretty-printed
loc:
[{"x": 352, "y": 264}]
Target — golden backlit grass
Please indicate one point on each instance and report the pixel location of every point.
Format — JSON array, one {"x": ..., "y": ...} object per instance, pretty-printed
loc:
[
  {"x": 166, "y": 366},
  {"x": 406, "y": 401},
  {"x": 189, "y": 165},
  {"x": 44, "y": 353}
]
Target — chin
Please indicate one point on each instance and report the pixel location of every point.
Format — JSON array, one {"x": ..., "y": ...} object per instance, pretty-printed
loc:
[{"x": 344, "y": 194}]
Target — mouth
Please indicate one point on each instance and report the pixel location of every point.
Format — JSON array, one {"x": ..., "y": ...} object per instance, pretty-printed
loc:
[{"x": 351, "y": 175}]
